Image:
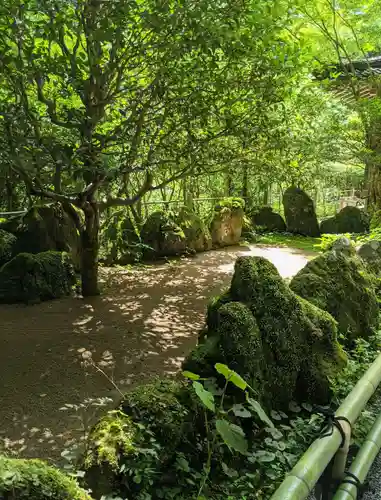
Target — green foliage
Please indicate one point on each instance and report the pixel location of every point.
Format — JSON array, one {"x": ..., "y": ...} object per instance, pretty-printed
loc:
[
  {"x": 327, "y": 240},
  {"x": 35, "y": 480},
  {"x": 30, "y": 278},
  {"x": 7, "y": 246}
]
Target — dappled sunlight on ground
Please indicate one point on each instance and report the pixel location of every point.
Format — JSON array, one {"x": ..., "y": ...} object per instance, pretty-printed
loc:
[{"x": 147, "y": 318}]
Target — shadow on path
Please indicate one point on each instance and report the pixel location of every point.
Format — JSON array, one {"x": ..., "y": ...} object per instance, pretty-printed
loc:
[{"x": 148, "y": 318}]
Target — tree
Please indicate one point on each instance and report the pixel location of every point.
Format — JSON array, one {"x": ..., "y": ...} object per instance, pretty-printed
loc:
[{"x": 99, "y": 96}]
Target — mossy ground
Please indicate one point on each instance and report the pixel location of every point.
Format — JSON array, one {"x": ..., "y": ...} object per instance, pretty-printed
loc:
[
  {"x": 35, "y": 480},
  {"x": 306, "y": 243}
]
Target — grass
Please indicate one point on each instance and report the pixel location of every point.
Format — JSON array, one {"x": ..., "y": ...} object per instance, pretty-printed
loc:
[{"x": 305, "y": 243}]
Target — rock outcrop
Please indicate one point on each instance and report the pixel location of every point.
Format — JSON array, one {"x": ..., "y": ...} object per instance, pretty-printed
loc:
[
  {"x": 300, "y": 213},
  {"x": 265, "y": 219},
  {"x": 348, "y": 220},
  {"x": 339, "y": 283},
  {"x": 227, "y": 221}
]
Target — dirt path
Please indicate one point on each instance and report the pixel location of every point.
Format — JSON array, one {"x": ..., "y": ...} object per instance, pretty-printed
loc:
[{"x": 148, "y": 320}]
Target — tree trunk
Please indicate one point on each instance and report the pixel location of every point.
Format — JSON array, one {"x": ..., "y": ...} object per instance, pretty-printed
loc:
[
  {"x": 373, "y": 166},
  {"x": 57, "y": 178},
  {"x": 245, "y": 181},
  {"x": 90, "y": 247}
]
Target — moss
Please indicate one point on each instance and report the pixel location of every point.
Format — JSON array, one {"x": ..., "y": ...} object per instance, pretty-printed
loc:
[
  {"x": 44, "y": 228},
  {"x": 340, "y": 285},
  {"x": 158, "y": 406},
  {"x": 270, "y": 336},
  {"x": 35, "y": 480},
  {"x": 30, "y": 278},
  {"x": 162, "y": 236},
  {"x": 196, "y": 233},
  {"x": 7, "y": 246},
  {"x": 300, "y": 213},
  {"x": 113, "y": 436},
  {"x": 348, "y": 220},
  {"x": 267, "y": 220},
  {"x": 231, "y": 203}
]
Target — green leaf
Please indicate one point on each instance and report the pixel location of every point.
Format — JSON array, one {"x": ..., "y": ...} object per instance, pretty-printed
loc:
[
  {"x": 294, "y": 407},
  {"x": 191, "y": 376},
  {"x": 206, "y": 397},
  {"x": 232, "y": 435},
  {"x": 231, "y": 376},
  {"x": 240, "y": 411},
  {"x": 259, "y": 411},
  {"x": 264, "y": 456}
]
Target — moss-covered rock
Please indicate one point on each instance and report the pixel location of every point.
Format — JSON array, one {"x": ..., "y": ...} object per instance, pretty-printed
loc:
[
  {"x": 44, "y": 228},
  {"x": 266, "y": 219},
  {"x": 227, "y": 221},
  {"x": 31, "y": 278},
  {"x": 120, "y": 240},
  {"x": 7, "y": 246},
  {"x": 348, "y": 220},
  {"x": 197, "y": 235},
  {"x": 153, "y": 422},
  {"x": 35, "y": 480},
  {"x": 370, "y": 253},
  {"x": 270, "y": 336},
  {"x": 339, "y": 283},
  {"x": 300, "y": 213},
  {"x": 162, "y": 236}
]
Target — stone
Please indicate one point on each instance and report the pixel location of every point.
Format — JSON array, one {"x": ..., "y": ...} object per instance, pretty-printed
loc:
[
  {"x": 267, "y": 220},
  {"x": 197, "y": 235},
  {"x": 343, "y": 245},
  {"x": 300, "y": 213},
  {"x": 162, "y": 236},
  {"x": 160, "y": 417},
  {"x": 348, "y": 220},
  {"x": 370, "y": 252},
  {"x": 35, "y": 480},
  {"x": 44, "y": 228},
  {"x": 340, "y": 284},
  {"x": 32, "y": 278},
  {"x": 284, "y": 345},
  {"x": 227, "y": 222}
]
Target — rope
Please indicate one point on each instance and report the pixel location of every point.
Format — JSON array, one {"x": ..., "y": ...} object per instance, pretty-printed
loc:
[{"x": 331, "y": 421}]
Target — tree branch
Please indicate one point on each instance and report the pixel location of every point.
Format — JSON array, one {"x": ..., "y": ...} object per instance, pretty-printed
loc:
[{"x": 114, "y": 202}]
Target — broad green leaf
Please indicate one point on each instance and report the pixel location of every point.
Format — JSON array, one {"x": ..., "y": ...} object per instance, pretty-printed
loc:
[
  {"x": 206, "y": 397},
  {"x": 240, "y": 411},
  {"x": 232, "y": 435},
  {"x": 231, "y": 376},
  {"x": 191, "y": 376},
  {"x": 255, "y": 406},
  {"x": 264, "y": 456}
]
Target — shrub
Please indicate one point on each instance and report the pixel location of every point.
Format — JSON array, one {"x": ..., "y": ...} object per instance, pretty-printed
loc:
[{"x": 7, "y": 246}]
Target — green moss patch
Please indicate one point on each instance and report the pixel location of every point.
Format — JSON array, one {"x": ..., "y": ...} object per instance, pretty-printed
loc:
[
  {"x": 270, "y": 336},
  {"x": 35, "y": 480},
  {"x": 7, "y": 246},
  {"x": 340, "y": 284},
  {"x": 31, "y": 278}
]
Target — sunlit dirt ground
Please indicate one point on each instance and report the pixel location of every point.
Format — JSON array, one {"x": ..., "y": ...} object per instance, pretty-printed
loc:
[{"x": 147, "y": 318}]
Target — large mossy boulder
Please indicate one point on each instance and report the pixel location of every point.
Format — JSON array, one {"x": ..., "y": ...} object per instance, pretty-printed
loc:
[
  {"x": 267, "y": 220},
  {"x": 44, "y": 228},
  {"x": 153, "y": 423},
  {"x": 340, "y": 284},
  {"x": 7, "y": 246},
  {"x": 370, "y": 253},
  {"x": 120, "y": 240},
  {"x": 197, "y": 235},
  {"x": 227, "y": 221},
  {"x": 35, "y": 480},
  {"x": 285, "y": 346},
  {"x": 162, "y": 236},
  {"x": 300, "y": 213},
  {"x": 31, "y": 278},
  {"x": 348, "y": 220}
]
